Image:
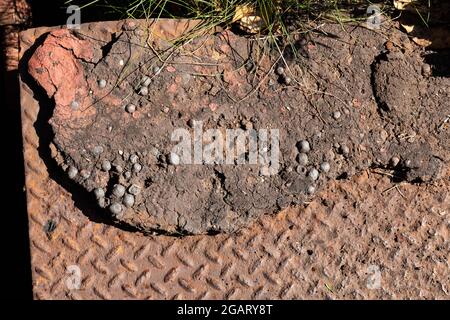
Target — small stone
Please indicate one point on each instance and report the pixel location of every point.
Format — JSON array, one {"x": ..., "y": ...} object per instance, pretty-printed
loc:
[
  {"x": 302, "y": 159},
  {"x": 426, "y": 70},
  {"x": 102, "y": 83},
  {"x": 156, "y": 69},
  {"x": 303, "y": 146},
  {"x": 134, "y": 189},
  {"x": 118, "y": 168},
  {"x": 99, "y": 193},
  {"x": 127, "y": 175},
  {"x": 75, "y": 105},
  {"x": 344, "y": 149},
  {"x": 98, "y": 150},
  {"x": 310, "y": 189},
  {"x": 130, "y": 108},
  {"x": 174, "y": 159},
  {"x": 121, "y": 62},
  {"x": 118, "y": 190},
  {"x": 115, "y": 208},
  {"x": 134, "y": 158},
  {"x": 325, "y": 167},
  {"x": 280, "y": 71},
  {"x": 336, "y": 115},
  {"x": 143, "y": 91},
  {"x": 106, "y": 165},
  {"x": 313, "y": 174},
  {"x": 287, "y": 80},
  {"x": 146, "y": 80},
  {"x": 72, "y": 172},
  {"x": 101, "y": 202},
  {"x": 394, "y": 161},
  {"x": 137, "y": 167},
  {"x": 128, "y": 200}
]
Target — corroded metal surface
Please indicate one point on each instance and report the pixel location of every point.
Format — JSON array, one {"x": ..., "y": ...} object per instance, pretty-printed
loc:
[{"x": 300, "y": 253}]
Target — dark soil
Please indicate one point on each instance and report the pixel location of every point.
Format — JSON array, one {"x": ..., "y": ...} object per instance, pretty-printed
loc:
[{"x": 359, "y": 101}]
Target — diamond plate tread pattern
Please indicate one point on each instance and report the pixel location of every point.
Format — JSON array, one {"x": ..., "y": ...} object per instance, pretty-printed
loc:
[{"x": 270, "y": 260}]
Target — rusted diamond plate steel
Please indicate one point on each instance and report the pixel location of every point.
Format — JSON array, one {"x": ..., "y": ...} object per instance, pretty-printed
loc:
[{"x": 338, "y": 247}]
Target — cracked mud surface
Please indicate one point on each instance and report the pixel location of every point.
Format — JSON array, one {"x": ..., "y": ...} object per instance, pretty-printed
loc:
[{"x": 358, "y": 102}]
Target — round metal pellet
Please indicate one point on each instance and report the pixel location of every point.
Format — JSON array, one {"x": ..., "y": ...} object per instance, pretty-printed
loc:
[
  {"x": 130, "y": 108},
  {"x": 143, "y": 91},
  {"x": 325, "y": 167},
  {"x": 146, "y": 81},
  {"x": 72, "y": 172},
  {"x": 128, "y": 200},
  {"x": 174, "y": 159},
  {"x": 303, "y": 146},
  {"x": 118, "y": 190},
  {"x": 137, "y": 167},
  {"x": 102, "y": 83},
  {"x": 134, "y": 158},
  {"x": 313, "y": 174},
  {"x": 99, "y": 193},
  {"x": 302, "y": 159},
  {"x": 134, "y": 189},
  {"x": 115, "y": 208},
  {"x": 106, "y": 165}
]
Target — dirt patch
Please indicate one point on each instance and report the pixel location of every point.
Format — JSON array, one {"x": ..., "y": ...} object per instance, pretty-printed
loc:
[{"x": 347, "y": 103}]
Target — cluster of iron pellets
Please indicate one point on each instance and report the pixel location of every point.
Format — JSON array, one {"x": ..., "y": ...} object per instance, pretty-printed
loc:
[
  {"x": 281, "y": 72},
  {"x": 313, "y": 174}
]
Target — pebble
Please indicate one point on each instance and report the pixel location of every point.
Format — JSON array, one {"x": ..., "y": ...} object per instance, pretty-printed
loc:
[
  {"x": 101, "y": 202},
  {"x": 313, "y": 174},
  {"x": 118, "y": 168},
  {"x": 344, "y": 149},
  {"x": 99, "y": 193},
  {"x": 287, "y": 80},
  {"x": 102, "y": 83},
  {"x": 146, "y": 81},
  {"x": 143, "y": 91},
  {"x": 75, "y": 105},
  {"x": 336, "y": 115},
  {"x": 304, "y": 146},
  {"x": 426, "y": 70},
  {"x": 325, "y": 167},
  {"x": 130, "y": 108},
  {"x": 128, "y": 200},
  {"x": 311, "y": 189},
  {"x": 174, "y": 159},
  {"x": 98, "y": 150},
  {"x": 118, "y": 190},
  {"x": 72, "y": 172},
  {"x": 156, "y": 69},
  {"x": 137, "y": 167},
  {"x": 115, "y": 208},
  {"x": 134, "y": 158},
  {"x": 106, "y": 165},
  {"x": 280, "y": 71},
  {"x": 134, "y": 189},
  {"x": 127, "y": 175},
  {"x": 302, "y": 159},
  {"x": 394, "y": 161}
]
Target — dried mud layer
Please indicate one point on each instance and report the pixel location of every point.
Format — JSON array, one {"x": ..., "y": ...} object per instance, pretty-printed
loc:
[{"x": 344, "y": 103}]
